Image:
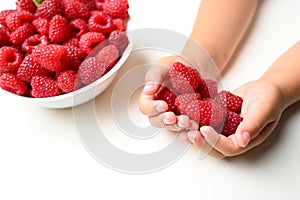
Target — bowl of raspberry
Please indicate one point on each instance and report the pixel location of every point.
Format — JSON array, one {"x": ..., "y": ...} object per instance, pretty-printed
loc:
[{"x": 62, "y": 53}]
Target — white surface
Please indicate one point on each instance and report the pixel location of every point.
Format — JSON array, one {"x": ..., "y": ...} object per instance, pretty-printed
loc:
[{"x": 42, "y": 157}]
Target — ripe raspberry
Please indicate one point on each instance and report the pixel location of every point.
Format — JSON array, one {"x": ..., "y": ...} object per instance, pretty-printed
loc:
[
  {"x": 30, "y": 68},
  {"x": 43, "y": 86},
  {"x": 59, "y": 29},
  {"x": 78, "y": 27},
  {"x": 206, "y": 113},
  {"x": 3, "y": 16},
  {"x": 10, "y": 59},
  {"x": 90, "y": 4},
  {"x": 89, "y": 70},
  {"x": 119, "y": 24},
  {"x": 99, "y": 4},
  {"x": 4, "y": 37},
  {"x": 48, "y": 8},
  {"x": 27, "y": 5},
  {"x": 21, "y": 34},
  {"x": 67, "y": 81},
  {"x": 119, "y": 39},
  {"x": 11, "y": 83},
  {"x": 76, "y": 56},
  {"x": 183, "y": 100},
  {"x": 208, "y": 88},
  {"x": 90, "y": 40},
  {"x": 72, "y": 42},
  {"x": 108, "y": 57},
  {"x": 232, "y": 120},
  {"x": 73, "y": 9},
  {"x": 18, "y": 18},
  {"x": 116, "y": 9},
  {"x": 230, "y": 101},
  {"x": 41, "y": 25},
  {"x": 184, "y": 79},
  {"x": 167, "y": 95},
  {"x": 101, "y": 23},
  {"x": 52, "y": 57},
  {"x": 30, "y": 43}
]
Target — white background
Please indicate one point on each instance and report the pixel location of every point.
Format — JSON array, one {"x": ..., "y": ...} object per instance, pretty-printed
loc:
[{"x": 41, "y": 156}]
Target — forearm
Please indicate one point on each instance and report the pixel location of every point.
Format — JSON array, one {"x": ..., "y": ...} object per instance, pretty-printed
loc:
[
  {"x": 220, "y": 26},
  {"x": 284, "y": 73}
]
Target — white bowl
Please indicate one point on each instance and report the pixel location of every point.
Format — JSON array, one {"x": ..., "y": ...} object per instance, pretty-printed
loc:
[{"x": 81, "y": 95}]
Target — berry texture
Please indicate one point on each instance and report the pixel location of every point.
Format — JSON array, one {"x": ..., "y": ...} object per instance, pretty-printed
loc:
[
  {"x": 230, "y": 101},
  {"x": 101, "y": 23},
  {"x": 183, "y": 100},
  {"x": 116, "y": 9},
  {"x": 48, "y": 8},
  {"x": 90, "y": 40},
  {"x": 59, "y": 29},
  {"x": 11, "y": 83},
  {"x": 27, "y": 5},
  {"x": 232, "y": 120},
  {"x": 89, "y": 70},
  {"x": 10, "y": 59},
  {"x": 108, "y": 57},
  {"x": 167, "y": 95},
  {"x": 67, "y": 81},
  {"x": 208, "y": 88},
  {"x": 73, "y": 9},
  {"x": 43, "y": 86},
  {"x": 17, "y": 18},
  {"x": 119, "y": 39}
]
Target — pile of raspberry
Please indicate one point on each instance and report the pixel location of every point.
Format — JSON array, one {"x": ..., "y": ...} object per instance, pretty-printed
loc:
[
  {"x": 47, "y": 48},
  {"x": 187, "y": 93}
]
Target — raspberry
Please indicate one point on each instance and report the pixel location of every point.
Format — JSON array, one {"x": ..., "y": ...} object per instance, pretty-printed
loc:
[
  {"x": 30, "y": 43},
  {"x": 90, "y": 40},
  {"x": 73, "y": 9},
  {"x": 59, "y": 30},
  {"x": 67, "y": 81},
  {"x": 183, "y": 100},
  {"x": 167, "y": 95},
  {"x": 18, "y": 18},
  {"x": 90, "y": 4},
  {"x": 30, "y": 68},
  {"x": 206, "y": 113},
  {"x": 76, "y": 56},
  {"x": 43, "y": 86},
  {"x": 101, "y": 23},
  {"x": 78, "y": 27},
  {"x": 21, "y": 34},
  {"x": 184, "y": 79},
  {"x": 4, "y": 37},
  {"x": 230, "y": 101},
  {"x": 10, "y": 59},
  {"x": 119, "y": 39},
  {"x": 116, "y": 9},
  {"x": 48, "y": 8},
  {"x": 41, "y": 25},
  {"x": 208, "y": 88},
  {"x": 3, "y": 15},
  {"x": 119, "y": 24},
  {"x": 89, "y": 70},
  {"x": 99, "y": 4},
  {"x": 72, "y": 42},
  {"x": 11, "y": 83},
  {"x": 108, "y": 57},
  {"x": 27, "y": 5},
  {"x": 52, "y": 57},
  {"x": 232, "y": 120}
]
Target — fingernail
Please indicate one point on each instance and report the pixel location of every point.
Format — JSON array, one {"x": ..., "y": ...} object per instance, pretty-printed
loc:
[
  {"x": 192, "y": 136},
  {"x": 166, "y": 120},
  {"x": 204, "y": 131},
  {"x": 245, "y": 138},
  {"x": 149, "y": 86},
  {"x": 160, "y": 108}
]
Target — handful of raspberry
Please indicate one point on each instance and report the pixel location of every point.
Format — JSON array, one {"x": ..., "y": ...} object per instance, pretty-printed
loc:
[
  {"x": 46, "y": 46},
  {"x": 187, "y": 93}
]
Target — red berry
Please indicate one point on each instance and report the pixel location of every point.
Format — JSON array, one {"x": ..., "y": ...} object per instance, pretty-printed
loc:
[
  {"x": 208, "y": 88},
  {"x": 230, "y": 101},
  {"x": 206, "y": 113},
  {"x": 41, "y": 25},
  {"x": 108, "y": 57},
  {"x": 3, "y": 15},
  {"x": 78, "y": 27},
  {"x": 89, "y": 70},
  {"x": 73, "y": 9},
  {"x": 48, "y": 8},
  {"x": 4, "y": 37},
  {"x": 27, "y": 5},
  {"x": 30, "y": 43},
  {"x": 30, "y": 68},
  {"x": 59, "y": 29},
  {"x": 119, "y": 24},
  {"x": 90, "y": 40},
  {"x": 18, "y": 18},
  {"x": 232, "y": 120},
  {"x": 76, "y": 56},
  {"x": 116, "y": 9},
  {"x": 119, "y": 39},
  {"x": 21, "y": 34},
  {"x": 72, "y": 42},
  {"x": 90, "y": 4},
  {"x": 183, "y": 100},
  {"x": 10, "y": 59},
  {"x": 52, "y": 57},
  {"x": 167, "y": 95},
  {"x": 184, "y": 79},
  {"x": 67, "y": 81},
  {"x": 43, "y": 86},
  {"x": 11, "y": 83},
  {"x": 101, "y": 23}
]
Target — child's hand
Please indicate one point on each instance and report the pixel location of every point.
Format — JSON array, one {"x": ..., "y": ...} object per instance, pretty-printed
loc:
[
  {"x": 156, "y": 109},
  {"x": 262, "y": 107}
]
